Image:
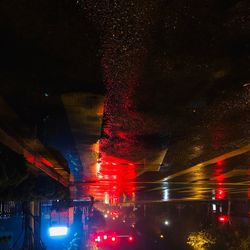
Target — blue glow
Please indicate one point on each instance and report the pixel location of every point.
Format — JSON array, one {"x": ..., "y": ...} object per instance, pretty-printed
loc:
[{"x": 58, "y": 231}]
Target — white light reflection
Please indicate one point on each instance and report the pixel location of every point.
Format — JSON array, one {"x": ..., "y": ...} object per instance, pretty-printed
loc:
[
  {"x": 58, "y": 231},
  {"x": 165, "y": 191},
  {"x": 166, "y": 222},
  {"x": 214, "y": 207},
  {"x": 106, "y": 198}
]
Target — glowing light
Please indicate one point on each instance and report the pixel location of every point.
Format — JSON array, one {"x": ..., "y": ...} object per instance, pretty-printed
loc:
[
  {"x": 162, "y": 236},
  {"x": 98, "y": 167},
  {"x": 130, "y": 238},
  {"x": 165, "y": 191},
  {"x": 200, "y": 240},
  {"x": 105, "y": 237},
  {"x": 220, "y": 179},
  {"x": 119, "y": 183},
  {"x": 113, "y": 239},
  {"x": 98, "y": 239},
  {"x": 58, "y": 231},
  {"x": 220, "y": 163},
  {"x": 223, "y": 218},
  {"x": 106, "y": 198},
  {"x": 248, "y": 193},
  {"x": 220, "y": 194},
  {"x": 96, "y": 148},
  {"x": 46, "y": 162},
  {"x": 166, "y": 222},
  {"x": 214, "y": 207}
]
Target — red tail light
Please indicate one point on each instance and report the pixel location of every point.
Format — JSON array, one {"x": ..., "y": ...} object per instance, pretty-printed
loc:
[
  {"x": 98, "y": 239},
  {"x": 130, "y": 238},
  {"x": 223, "y": 218}
]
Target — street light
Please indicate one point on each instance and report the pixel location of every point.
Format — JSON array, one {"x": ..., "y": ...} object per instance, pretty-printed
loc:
[
  {"x": 58, "y": 231},
  {"x": 166, "y": 222}
]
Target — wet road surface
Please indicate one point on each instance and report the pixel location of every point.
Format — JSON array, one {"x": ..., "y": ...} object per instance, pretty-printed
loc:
[{"x": 142, "y": 109}]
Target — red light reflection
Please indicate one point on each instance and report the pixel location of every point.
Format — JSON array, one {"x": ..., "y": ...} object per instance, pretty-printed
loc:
[
  {"x": 105, "y": 238},
  {"x": 130, "y": 239},
  {"x": 220, "y": 194},
  {"x": 115, "y": 181},
  {"x": 223, "y": 218},
  {"x": 218, "y": 136},
  {"x": 219, "y": 176},
  {"x": 220, "y": 179},
  {"x": 248, "y": 193},
  {"x": 220, "y": 163}
]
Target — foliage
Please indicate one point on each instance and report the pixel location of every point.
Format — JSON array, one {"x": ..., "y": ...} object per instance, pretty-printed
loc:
[
  {"x": 200, "y": 240},
  {"x": 245, "y": 243}
]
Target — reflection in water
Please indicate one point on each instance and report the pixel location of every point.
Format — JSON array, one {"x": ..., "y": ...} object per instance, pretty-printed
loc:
[
  {"x": 165, "y": 191},
  {"x": 198, "y": 189},
  {"x": 115, "y": 181},
  {"x": 200, "y": 240},
  {"x": 220, "y": 193},
  {"x": 77, "y": 224}
]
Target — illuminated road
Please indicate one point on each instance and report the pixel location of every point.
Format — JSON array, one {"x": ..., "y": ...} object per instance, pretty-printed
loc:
[
  {"x": 136, "y": 174},
  {"x": 227, "y": 179}
]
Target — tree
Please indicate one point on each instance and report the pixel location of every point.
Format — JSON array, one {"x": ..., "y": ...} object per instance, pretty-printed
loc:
[{"x": 200, "y": 240}]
